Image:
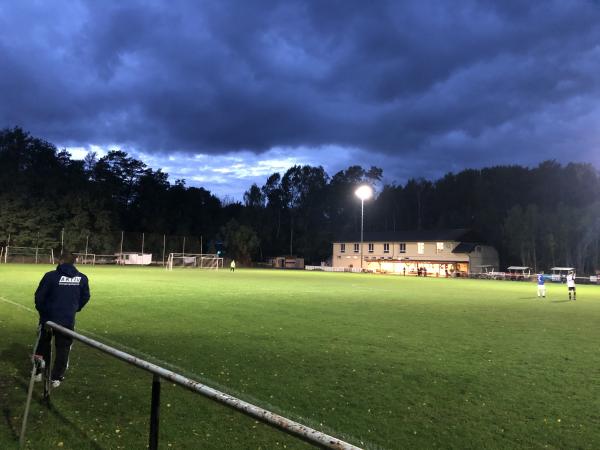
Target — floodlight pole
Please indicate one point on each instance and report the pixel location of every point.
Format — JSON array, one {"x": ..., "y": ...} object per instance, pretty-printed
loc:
[
  {"x": 37, "y": 241},
  {"x": 363, "y": 192},
  {"x": 7, "y": 246},
  {"x": 362, "y": 222},
  {"x": 121, "y": 248}
]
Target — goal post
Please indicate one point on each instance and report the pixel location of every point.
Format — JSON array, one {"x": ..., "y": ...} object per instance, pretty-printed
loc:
[
  {"x": 195, "y": 261},
  {"x": 86, "y": 258},
  {"x": 106, "y": 259},
  {"x": 210, "y": 261},
  {"x": 36, "y": 255}
]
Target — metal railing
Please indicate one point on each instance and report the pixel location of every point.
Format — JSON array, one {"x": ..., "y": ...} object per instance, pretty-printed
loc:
[
  {"x": 307, "y": 434},
  {"x": 334, "y": 269}
]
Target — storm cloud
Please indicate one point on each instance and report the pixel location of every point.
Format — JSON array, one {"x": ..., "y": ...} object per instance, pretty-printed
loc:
[{"x": 419, "y": 87}]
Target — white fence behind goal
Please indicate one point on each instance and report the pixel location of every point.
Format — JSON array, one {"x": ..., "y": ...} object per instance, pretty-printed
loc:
[{"x": 196, "y": 261}]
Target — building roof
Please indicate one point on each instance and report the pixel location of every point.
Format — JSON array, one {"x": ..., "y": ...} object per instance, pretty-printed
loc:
[
  {"x": 456, "y": 234},
  {"x": 464, "y": 247}
]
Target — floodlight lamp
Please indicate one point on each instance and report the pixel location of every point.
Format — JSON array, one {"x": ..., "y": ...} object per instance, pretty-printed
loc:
[{"x": 364, "y": 192}]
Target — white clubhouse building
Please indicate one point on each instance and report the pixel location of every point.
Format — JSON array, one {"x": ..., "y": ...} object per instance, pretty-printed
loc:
[{"x": 437, "y": 253}]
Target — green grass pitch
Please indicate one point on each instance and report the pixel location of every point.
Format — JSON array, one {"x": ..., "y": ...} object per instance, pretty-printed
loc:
[{"x": 381, "y": 361}]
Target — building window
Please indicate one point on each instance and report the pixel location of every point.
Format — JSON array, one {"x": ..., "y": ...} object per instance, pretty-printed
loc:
[
  {"x": 402, "y": 247},
  {"x": 439, "y": 246},
  {"x": 386, "y": 248},
  {"x": 371, "y": 247},
  {"x": 342, "y": 248},
  {"x": 356, "y": 248},
  {"x": 420, "y": 248}
]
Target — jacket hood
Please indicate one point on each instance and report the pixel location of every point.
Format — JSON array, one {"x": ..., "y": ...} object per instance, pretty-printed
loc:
[{"x": 67, "y": 269}]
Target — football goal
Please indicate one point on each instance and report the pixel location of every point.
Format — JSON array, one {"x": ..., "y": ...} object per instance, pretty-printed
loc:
[
  {"x": 86, "y": 258},
  {"x": 29, "y": 255},
  {"x": 106, "y": 259},
  {"x": 194, "y": 260}
]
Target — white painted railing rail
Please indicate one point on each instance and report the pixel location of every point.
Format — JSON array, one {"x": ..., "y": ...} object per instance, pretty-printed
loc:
[{"x": 307, "y": 434}]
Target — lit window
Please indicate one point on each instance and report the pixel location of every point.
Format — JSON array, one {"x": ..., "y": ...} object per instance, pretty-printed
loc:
[
  {"x": 402, "y": 247},
  {"x": 386, "y": 248},
  {"x": 356, "y": 249},
  {"x": 439, "y": 247},
  {"x": 371, "y": 248},
  {"x": 342, "y": 248},
  {"x": 420, "y": 248}
]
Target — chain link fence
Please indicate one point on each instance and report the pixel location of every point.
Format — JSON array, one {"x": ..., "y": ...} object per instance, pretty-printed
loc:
[{"x": 99, "y": 248}]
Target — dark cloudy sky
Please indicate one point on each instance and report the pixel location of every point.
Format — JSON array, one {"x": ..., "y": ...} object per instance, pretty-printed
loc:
[{"x": 223, "y": 93}]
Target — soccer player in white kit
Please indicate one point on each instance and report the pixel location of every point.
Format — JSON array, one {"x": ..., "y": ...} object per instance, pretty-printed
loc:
[{"x": 571, "y": 285}]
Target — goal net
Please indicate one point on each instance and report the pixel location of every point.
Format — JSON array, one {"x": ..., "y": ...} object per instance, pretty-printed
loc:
[
  {"x": 196, "y": 261},
  {"x": 28, "y": 255},
  {"x": 106, "y": 259},
  {"x": 86, "y": 258}
]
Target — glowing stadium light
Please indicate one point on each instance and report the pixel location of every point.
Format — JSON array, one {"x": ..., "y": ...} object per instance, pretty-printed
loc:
[{"x": 364, "y": 192}]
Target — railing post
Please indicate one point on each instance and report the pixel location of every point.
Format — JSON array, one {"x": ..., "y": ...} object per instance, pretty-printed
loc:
[
  {"x": 281, "y": 423},
  {"x": 154, "y": 413},
  {"x": 47, "y": 367}
]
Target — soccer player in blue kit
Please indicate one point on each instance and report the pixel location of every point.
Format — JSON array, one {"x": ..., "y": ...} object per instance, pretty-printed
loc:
[{"x": 541, "y": 287}]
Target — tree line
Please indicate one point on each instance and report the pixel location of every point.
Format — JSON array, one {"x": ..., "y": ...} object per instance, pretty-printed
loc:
[{"x": 541, "y": 217}]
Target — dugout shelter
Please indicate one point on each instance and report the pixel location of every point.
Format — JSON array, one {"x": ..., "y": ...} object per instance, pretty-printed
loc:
[
  {"x": 287, "y": 262},
  {"x": 559, "y": 274},
  {"x": 518, "y": 272}
]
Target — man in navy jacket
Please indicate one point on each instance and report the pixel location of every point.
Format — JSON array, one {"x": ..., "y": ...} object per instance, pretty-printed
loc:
[{"x": 61, "y": 294}]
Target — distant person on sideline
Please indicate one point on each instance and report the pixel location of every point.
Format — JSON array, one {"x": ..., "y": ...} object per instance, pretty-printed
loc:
[
  {"x": 232, "y": 266},
  {"x": 541, "y": 287},
  {"x": 571, "y": 285},
  {"x": 61, "y": 294}
]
